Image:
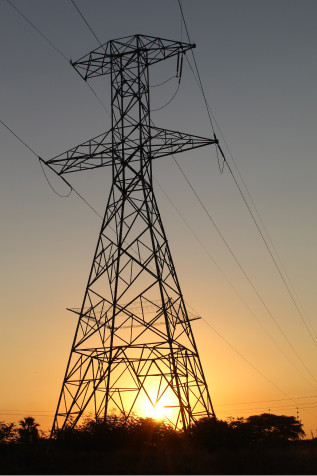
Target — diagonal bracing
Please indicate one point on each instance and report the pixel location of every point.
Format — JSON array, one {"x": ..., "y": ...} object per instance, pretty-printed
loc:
[{"x": 133, "y": 346}]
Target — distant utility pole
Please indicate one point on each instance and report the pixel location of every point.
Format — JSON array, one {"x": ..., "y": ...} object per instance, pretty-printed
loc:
[{"x": 133, "y": 346}]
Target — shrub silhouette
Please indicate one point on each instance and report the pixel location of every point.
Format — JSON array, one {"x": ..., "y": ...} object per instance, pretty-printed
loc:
[
  {"x": 8, "y": 432},
  {"x": 209, "y": 433},
  {"x": 119, "y": 432},
  {"x": 257, "y": 429},
  {"x": 268, "y": 427},
  {"x": 136, "y": 433}
]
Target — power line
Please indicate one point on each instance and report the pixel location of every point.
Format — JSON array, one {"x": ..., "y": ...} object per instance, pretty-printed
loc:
[
  {"x": 253, "y": 366},
  {"x": 85, "y": 21},
  {"x": 266, "y": 378},
  {"x": 294, "y": 405},
  {"x": 240, "y": 266},
  {"x": 41, "y": 160},
  {"x": 201, "y": 86},
  {"x": 71, "y": 187},
  {"x": 265, "y": 242},
  {"x": 27, "y": 411},
  {"x": 159, "y": 108},
  {"x": 98, "y": 99},
  {"x": 21, "y": 413},
  {"x": 202, "y": 89},
  {"x": 35, "y": 154},
  {"x": 266, "y": 401},
  {"x": 164, "y": 82},
  {"x": 218, "y": 267},
  {"x": 59, "y": 51},
  {"x": 18, "y": 138},
  {"x": 62, "y": 196},
  {"x": 207, "y": 105},
  {"x": 240, "y": 410},
  {"x": 275, "y": 407},
  {"x": 220, "y": 405},
  {"x": 257, "y": 212},
  {"x": 190, "y": 306},
  {"x": 209, "y": 112},
  {"x": 82, "y": 16},
  {"x": 195, "y": 311},
  {"x": 33, "y": 26},
  {"x": 263, "y": 409}
]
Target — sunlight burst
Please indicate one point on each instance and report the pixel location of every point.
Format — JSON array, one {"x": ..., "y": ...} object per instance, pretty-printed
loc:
[{"x": 157, "y": 411}]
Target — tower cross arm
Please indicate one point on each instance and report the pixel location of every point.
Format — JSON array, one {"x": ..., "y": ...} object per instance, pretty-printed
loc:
[
  {"x": 100, "y": 61},
  {"x": 100, "y": 152},
  {"x": 96, "y": 152},
  {"x": 165, "y": 142}
]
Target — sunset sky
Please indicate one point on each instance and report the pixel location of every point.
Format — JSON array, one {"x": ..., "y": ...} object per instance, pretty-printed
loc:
[{"x": 257, "y": 62}]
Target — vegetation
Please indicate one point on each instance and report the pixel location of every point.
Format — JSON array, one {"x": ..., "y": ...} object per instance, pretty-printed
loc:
[
  {"x": 265, "y": 429},
  {"x": 260, "y": 444}
]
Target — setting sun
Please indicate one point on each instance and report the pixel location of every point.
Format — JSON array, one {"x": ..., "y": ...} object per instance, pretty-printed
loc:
[{"x": 158, "y": 411}]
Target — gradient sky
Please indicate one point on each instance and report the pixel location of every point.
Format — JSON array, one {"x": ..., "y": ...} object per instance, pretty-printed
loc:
[{"x": 257, "y": 61}]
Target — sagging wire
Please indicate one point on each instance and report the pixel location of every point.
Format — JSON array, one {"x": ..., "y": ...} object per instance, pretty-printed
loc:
[
  {"x": 164, "y": 82},
  {"x": 70, "y": 186},
  {"x": 179, "y": 70},
  {"x": 62, "y": 196},
  {"x": 162, "y": 107},
  {"x": 41, "y": 160}
]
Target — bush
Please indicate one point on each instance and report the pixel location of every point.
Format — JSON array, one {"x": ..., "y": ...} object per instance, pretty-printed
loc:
[
  {"x": 119, "y": 432},
  {"x": 8, "y": 432},
  {"x": 135, "y": 433}
]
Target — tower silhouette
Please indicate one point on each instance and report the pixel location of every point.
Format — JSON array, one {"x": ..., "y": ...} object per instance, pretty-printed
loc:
[{"x": 133, "y": 347}]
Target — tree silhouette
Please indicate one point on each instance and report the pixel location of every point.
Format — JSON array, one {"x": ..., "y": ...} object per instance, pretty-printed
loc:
[
  {"x": 269, "y": 427},
  {"x": 28, "y": 432}
]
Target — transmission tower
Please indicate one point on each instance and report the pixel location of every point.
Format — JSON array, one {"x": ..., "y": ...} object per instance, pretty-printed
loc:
[{"x": 133, "y": 343}]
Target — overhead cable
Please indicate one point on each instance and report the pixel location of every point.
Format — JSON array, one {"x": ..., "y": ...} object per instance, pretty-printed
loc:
[
  {"x": 229, "y": 282},
  {"x": 59, "y": 51},
  {"x": 256, "y": 210},
  {"x": 18, "y": 138},
  {"x": 85, "y": 21},
  {"x": 240, "y": 266},
  {"x": 209, "y": 112},
  {"x": 265, "y": 401},
  {"x": 159, "y": 108},
  {"x": 220, "y": 405},
  {"x": 265, "y": 242},
  {"x": 253, "y": 366},
  {"x": 33, "y": 26},
  {"x": 62, "y": 196},
  {"x": 164, "y": 82},
  {"x": 186, "y": 303}
]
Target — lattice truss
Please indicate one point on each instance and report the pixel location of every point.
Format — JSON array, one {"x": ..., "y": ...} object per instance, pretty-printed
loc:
[{"x": 134, "y": 345}]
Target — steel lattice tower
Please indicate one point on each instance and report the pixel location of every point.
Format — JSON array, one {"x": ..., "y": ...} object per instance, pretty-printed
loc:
[{"x": 133, "y": 341}]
